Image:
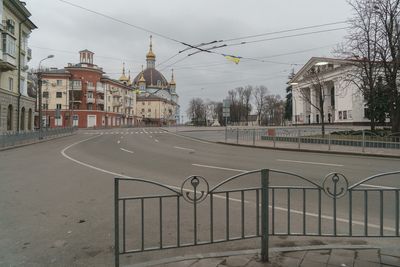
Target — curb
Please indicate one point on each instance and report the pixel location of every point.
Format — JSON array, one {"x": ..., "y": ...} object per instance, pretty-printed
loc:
[
  {"x": 248, "y": 252},
  {"x": 34, "y": 142},
  {"x": 290, "y": 149},
  {"x": 312, "y": 150}
]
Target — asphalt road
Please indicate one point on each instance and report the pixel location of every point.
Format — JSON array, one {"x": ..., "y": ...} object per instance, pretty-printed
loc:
[{"x": 56, "y": 198}]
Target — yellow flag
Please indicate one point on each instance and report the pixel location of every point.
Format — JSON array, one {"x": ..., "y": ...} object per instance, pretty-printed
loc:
[{"x": 234, "y": 59}]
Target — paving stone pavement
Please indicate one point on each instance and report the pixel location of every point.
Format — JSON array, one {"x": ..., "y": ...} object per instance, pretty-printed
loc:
[{"x": 368, "y": 257}]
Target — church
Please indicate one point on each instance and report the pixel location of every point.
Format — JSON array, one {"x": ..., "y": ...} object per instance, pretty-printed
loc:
[{"x": 157, "y": 100}]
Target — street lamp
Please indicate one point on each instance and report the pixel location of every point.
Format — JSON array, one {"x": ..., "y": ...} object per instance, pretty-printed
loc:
[{"x": 39, "y": 94}]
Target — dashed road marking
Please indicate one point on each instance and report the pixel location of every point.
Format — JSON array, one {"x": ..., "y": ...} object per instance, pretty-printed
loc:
[
  {"x": 184, "y": 148},
  {"x": 310, "y": 162},
  {"x": 126, "y": 150}
]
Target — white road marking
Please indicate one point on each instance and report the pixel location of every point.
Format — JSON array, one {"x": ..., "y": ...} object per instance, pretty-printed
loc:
[
  {"x": 141, "y": 132},
  {"x": 118, "y": 142},
  {"x": 184, "y": 148},
  {"x": 218, "y": 168},
  {"x": 309, "y": 162},
  {"x": 150, "y": 136},
  {"x": 122, "y": 137},
  {"x": 156, "y": 140},
  {"x": 136, "y": 132},
  {"x": 63, "y": 153},
  {"x": 123, "y": 149},
  {"x": 189, "y": 138}
]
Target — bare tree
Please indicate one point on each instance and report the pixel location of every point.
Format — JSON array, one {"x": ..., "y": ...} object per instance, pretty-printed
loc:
[
  {"x": 247, "y": 92},
  {"x": 388, "y": 13},
  {"x": 197, "y": 111},
  {"x": 259, "y": 95},
  {"x": 362, "y": 47}
]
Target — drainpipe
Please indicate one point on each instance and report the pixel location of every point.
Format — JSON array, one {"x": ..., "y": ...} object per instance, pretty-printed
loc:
[{"x": 19, "y": 74}]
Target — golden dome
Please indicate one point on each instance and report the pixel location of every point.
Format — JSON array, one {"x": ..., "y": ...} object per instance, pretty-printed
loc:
[
  {"x": 150, "y": 54},
  {"x": 123, "y": 77},
  {"x": 142, "y": 79}
]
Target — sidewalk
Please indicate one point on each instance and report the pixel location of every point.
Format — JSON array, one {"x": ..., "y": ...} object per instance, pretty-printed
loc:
[
  {"x": 218, "y": 136},
  {"x": 343, "y": 256}
]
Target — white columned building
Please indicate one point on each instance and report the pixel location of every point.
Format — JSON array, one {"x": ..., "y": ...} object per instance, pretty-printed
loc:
[{"x": 343, "y": 101}]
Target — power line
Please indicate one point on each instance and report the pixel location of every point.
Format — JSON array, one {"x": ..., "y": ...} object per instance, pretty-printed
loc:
[{"x": 284, "y": 31}]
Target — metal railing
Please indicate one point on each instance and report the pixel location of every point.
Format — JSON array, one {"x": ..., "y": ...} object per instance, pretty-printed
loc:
[
  {"x": 267, "y": 208},
  {"x": 9, "y": 139},
  {"x": 359, "y": 141}
]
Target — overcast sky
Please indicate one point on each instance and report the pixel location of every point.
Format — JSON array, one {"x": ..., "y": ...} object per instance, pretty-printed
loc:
[{"x": 63, "y": 30}]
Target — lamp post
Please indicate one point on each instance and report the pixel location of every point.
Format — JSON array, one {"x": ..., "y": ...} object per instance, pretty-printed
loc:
[
  {"x": 294, "y": 102},
  {"x": 39, "y": 95}
]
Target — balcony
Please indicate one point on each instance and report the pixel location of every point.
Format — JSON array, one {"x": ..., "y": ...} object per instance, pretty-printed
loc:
[
  {"x": 90, "y": 100},
  {"x": 100, "y": 101},
  {"x": 116, "y": 103},
  {"x": 7, "y": 63},
  {"x": 90, "y": 88},
  {"x": 75, "y": 87},
  {"x": 100, "y": 90}
]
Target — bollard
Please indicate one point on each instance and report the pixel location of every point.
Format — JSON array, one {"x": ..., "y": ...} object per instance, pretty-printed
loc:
[
  {"x": 254, "y": 137},
  {"x": 329, "y": 141},
  {"x": 298, "y": 139},
  {"x": 363, "y": 141}
]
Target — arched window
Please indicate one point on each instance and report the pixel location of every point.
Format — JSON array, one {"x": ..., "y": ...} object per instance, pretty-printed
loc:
[
  {"x": 30, "y": 119},
  {"x": 22, "y": 119},
  {"x": 9, "y": 117}
]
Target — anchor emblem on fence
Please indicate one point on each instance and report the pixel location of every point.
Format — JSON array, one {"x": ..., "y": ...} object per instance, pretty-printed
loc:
[
  {"x": 195, "y": 189},
  {"x": 335, "y": 185}
]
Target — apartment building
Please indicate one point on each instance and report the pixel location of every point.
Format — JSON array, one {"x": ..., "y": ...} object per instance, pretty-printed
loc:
[
  {"x": 81, "y": 95},
  {"x": 17, "y": 108}
]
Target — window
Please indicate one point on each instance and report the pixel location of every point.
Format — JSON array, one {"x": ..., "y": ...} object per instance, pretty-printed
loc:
[
  {"x": 10, "y": 26},
  {"x": 345, "y": 115},
  {"x": 59, "y": 82},
  {"x": 45, "y": 106},
  {"x": 58, "y": 94},
  {"x": 45, "y": 94},
  {"x": 143, "y": 103},
  {"x": 76, "y": 83},
  {"x": 349, "y": 114},
  {"x": 109, "y": 99},
  {"x": 108, "y": 108},
  {"x": 22, "y": 86},
  {"x": 24, "y": 41},
  {"x": 340, "y": 115},
  {"x": 149, "y": 110},
  {"x": 9, "y": 117},
  {"x": 9, "y": 45},
  {"x": 142, "y": 110},
  {"x": 10, "y": 84},
  {"x": 90, "y": 106},
  {"x": 58, "y": 106}
]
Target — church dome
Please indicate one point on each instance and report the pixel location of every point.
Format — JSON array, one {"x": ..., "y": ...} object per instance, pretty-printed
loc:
[{"x": 153, "y": 78}]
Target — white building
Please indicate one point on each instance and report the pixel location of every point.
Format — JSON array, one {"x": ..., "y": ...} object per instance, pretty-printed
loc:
[
  {"x": 17, "y": 108},
  {"x": 343, "y": 101}
]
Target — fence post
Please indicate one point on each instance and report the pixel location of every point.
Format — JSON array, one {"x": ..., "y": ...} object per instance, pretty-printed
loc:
[
  {"x": 363, "y": 141},
  {"x": 237, "y": 135},
  {"x": 298, "y": 139},
  {"x": 254, "y": 137},
  {"x": 264, "y": 215},
  {"x": 329, "y": 141},
  {"x": 116, "y": 221}
]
